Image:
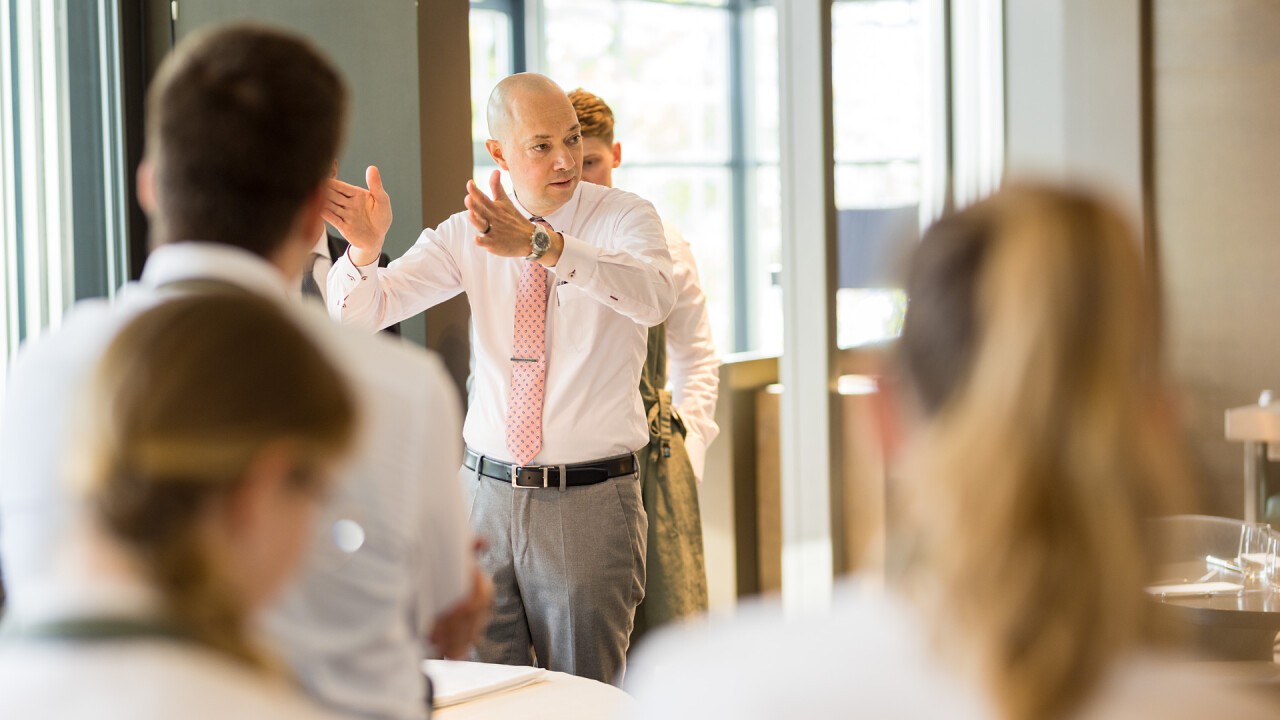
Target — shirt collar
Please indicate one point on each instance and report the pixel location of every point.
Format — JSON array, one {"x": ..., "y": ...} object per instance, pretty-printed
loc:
[
  {"x": 563, "y": 216},
  {"x": 191, "y": 260},
  {"x": 321, "y": 247},
  {"x": 93, "y": 577}
]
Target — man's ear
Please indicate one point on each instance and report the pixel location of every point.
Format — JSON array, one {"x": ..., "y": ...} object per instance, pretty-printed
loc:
[
  {"x": 146, "y": 187},
  {"x": 310, "y": 219},
  {"x": 617, "y": 154},
  {"x": 495, "y": 151}
]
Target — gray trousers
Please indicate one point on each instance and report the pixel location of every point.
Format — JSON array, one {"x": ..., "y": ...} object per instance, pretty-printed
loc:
[{"x": 568, "y": 572}]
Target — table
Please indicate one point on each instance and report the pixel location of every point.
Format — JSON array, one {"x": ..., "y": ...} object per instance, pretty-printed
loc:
[
  {"x": 1226, "y": 626},
  {"x": 558, "y": 697}
]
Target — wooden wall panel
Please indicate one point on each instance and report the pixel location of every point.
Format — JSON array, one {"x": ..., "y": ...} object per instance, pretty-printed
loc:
[{"x": 1216, "y": 85}]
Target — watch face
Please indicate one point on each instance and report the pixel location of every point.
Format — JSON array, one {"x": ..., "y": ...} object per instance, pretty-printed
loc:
[{"x": 541, "y": 240}]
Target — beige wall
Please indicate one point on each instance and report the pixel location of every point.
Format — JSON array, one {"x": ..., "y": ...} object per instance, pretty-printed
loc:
[
  {"x": 1216, "y": 75},
  {"x": 377, "y": 51}
]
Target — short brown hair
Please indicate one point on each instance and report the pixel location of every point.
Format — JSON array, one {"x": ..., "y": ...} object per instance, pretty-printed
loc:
[
  {"x": 594, "y": 115},
  {"x": 243, "y": 124}
]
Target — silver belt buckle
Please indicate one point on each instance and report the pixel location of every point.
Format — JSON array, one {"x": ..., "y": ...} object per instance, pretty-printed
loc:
[{"x": 515, "y": 476}]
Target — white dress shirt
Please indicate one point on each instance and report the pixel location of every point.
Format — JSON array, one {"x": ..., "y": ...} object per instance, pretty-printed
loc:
[
  {"x": 322, "y": 265},
  {"x": 353, "y": 625},
  {"x": 869, "y": 655},
  {"x": 613, "y": 281},
  {"x": 693, "y": 370},
  {"x": 130, "y": 678}
]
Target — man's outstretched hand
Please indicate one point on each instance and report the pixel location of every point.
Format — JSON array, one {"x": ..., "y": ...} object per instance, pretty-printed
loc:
[
  {"x": 504, "y": 230},
  {"x": 362, "y": 216}
]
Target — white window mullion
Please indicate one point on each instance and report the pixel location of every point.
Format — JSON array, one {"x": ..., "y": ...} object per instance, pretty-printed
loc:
[
  {"x": 55, "y": 135},
  {"x": 8, "y": 202},
  {"x": 112, "y": 140},
  {"x": 30, "y": 273},
  {"x": 977, "y": 55},
  {"x": 934, "y": 170}
]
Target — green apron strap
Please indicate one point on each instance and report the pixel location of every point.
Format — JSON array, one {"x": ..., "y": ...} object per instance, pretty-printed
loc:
[{"x": 664, "y": 421}]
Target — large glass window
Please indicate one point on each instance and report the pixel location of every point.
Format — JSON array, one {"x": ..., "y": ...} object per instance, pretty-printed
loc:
[
  {"x": 693, "y": 87},
  {"x": 665, "y": 70},
  {"x": 493, "y": 56},
  {"x": 760, "y": 321},
  {"x": 879, "y": 98},
  {"x": 693, "y": 84},
  {"x": 61, "y": 174}
]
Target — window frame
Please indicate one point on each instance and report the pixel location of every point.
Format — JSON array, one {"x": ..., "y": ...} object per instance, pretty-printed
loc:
[{"x": 740, "y": 163}]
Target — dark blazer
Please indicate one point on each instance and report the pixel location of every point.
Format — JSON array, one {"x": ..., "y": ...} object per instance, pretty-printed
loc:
[{"x": 338, "y": 247}]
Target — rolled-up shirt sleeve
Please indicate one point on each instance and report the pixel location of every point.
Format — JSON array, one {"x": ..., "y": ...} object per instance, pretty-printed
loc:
[
  {"x": 693, "y": 367},
  {"x": 374, "y": 298},
  {"x": 629, "y": 271}
]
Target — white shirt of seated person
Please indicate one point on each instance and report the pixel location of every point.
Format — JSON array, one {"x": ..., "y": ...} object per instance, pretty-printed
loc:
[{"x": 400, "y": 488}]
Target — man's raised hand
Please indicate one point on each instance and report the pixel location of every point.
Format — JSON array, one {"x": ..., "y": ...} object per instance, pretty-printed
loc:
[
  {"x": 362, "y": 216},
  {"x": 504, "y": 231}
]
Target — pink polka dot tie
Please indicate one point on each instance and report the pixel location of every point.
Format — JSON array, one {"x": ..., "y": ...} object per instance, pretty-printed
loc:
[{"x": 528, "y": 364}]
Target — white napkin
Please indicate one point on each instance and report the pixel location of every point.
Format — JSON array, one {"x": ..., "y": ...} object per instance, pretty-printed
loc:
[
  {"x": 1255, "y": 558},
  {"x": 1182, "y": 589},
  {"x": 457, "y": 681}
]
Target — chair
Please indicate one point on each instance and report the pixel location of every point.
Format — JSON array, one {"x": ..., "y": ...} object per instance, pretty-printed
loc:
[{"x": 1186, "y": 538}]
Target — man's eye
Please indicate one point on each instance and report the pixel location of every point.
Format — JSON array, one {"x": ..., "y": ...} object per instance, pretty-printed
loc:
[
  {"x": 540, "y": 148},
  {"x": 573, "y": 139}
]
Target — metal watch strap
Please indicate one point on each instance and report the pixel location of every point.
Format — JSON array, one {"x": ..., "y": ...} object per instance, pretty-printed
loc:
[{"x": 534, "y": 254}]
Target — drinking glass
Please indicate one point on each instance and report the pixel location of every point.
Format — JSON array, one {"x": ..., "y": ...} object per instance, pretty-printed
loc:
[
  {"x": 1271, "y": 571},
  {"x": 1252, "y": 556}
]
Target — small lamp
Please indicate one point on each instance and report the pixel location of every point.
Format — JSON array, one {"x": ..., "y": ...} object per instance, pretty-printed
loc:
[{"x": 1258, "y": 427}]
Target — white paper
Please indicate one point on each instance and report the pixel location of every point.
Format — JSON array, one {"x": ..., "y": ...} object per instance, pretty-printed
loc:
[
  {"x": 457, "y": 681},
  {"x": 1205, "y": 588}
]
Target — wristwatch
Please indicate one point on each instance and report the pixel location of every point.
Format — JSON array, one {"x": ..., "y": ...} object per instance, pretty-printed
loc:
[{"x": 541, "y": 242}]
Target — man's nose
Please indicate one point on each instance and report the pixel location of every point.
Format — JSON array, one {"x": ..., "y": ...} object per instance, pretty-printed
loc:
[{"x": 564, "y": 159}]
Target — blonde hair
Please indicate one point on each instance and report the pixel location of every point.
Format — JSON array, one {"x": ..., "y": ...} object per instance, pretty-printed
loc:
[
  {"x": 594, "y": 115},
  {"x": 1032, "y": 342},
  {"x": 183, "y": 399}
]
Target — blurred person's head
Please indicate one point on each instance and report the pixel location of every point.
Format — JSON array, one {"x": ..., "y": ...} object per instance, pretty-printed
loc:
[
  {"x": 535, "y": 137},
  {"x": 243, "y": 124},
  {"x": 1031, "y": 348},
  {"x": 601, "y": 154},
  {"x": 209, "y": 432}
]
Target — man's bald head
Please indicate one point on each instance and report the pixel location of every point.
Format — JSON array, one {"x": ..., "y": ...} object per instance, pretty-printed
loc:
[
  {"x": 536, "y": 138},
  {"x": 513, "y": 94}
]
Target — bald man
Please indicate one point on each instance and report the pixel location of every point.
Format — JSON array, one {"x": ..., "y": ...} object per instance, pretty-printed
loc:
[{"x": 564, "y": 279}]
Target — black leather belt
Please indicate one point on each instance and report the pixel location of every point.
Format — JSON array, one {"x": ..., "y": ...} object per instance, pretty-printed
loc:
[{"x": 541, "y": 476}]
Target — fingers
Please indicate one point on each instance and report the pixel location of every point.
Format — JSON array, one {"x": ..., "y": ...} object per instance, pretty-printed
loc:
[
  {"x": 477, "y": 219},
  {"x": 333, "y": 218},
  {"x": 495, "y": 185},
  {"x": 477, "y": 197},
  {"x": 480, "y": 203},
  {"x": 340, "y": 199},
  {"x": 373, "y": 179},
  {"x": 346, "y": 189}
]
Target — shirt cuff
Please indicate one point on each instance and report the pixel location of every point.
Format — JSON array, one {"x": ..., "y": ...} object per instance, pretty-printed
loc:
[
  {"x": 578, "y": 260},
  {"x": 344, "y": 279},
  {"x": 697, "y": 451}
]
